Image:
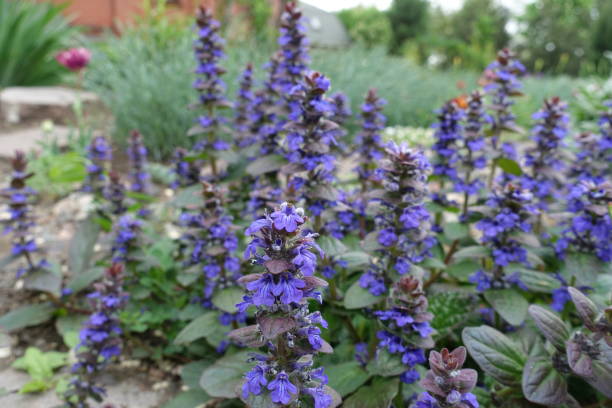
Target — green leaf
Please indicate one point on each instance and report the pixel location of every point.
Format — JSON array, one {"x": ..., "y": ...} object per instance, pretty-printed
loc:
[
  {"x": 536, "y": 281},
  {"x": 509, "y": 303},
  {"x": 347, "y": 377},
  {"x": 378, "y": 395},
  {"x": 45, "y": 280},
  {"x": 67, "y": 168},
  {"x": 27, "y": 316},
  {"x": 456, "y": 230},
  {"x": 584, "y": 267},
  {"x": 35, "y": 385},
  {"x": 83, "y": 280},
  {"x": 472, "y": 252},
  {"x": 69, "y": 327},
  {"x": 82, "y": 245},
  {"x": 386, "y": 364},
  {"x": 266, "y": 164},
  {"x": 433, "y": 263},
  {"x": 221, "y": 379},
  {"x": 200, "y": 327},
  {"x": 550, "y": 325},
  {"x": 449, "y": 309},
  {"x": 227, "y": 299},
  {"x": 40, "y": 365},
  {"x": 355, "y": 259},
  {"x": 495, "y": 353},
  {"x": 542, "y": 384},
  {"x": 370, "y": 242},
  {"x": 188, "y": 399},
  {"x": 357, "y": 297},
  {"x": 189, "y": 197},
  {"x": 509, "y": 166},
  {"x": 191, "y": 373},
  {"x": 142, "y": 197},
  {"x": 331, "y": 246},
  {"x": 463, "y": 270}
]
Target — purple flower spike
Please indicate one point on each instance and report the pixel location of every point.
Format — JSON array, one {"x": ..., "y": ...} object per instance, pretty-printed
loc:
[
  {"x": 100, "y": 338},
  {"x": 280, "y": 296}
]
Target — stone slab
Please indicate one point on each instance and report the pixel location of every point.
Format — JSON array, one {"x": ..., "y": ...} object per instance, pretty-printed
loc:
[
  {"x": 29, "y": 139},
  {"x": 24, "y": 104}
]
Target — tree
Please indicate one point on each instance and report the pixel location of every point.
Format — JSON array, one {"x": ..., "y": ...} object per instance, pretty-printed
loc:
[
  {"x": 367, "y": 25},
  {"x": 408, "y": 20},
  {"x": 557, "y": 35}
]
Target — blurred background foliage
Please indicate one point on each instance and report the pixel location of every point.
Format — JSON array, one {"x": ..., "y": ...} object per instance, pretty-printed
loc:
[
  {"x": 416, "y": 54},
  {"x": 31, "y": 34}
]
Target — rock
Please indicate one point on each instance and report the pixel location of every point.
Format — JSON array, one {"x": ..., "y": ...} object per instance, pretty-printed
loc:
[
  {"x": 21, "y": 104},
  {"x": 29, "y": 139}
]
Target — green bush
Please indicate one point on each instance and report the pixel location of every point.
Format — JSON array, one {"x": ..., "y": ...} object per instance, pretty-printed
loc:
[
  {"x": 148, "y": 87},
  {"x": 31, "y": 34},
  {"x": 367, "y": 26}
]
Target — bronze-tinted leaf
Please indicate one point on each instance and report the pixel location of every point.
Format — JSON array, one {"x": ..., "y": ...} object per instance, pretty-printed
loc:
[
  {"x": 247, "y": 336},
  {"x": 243, "y": 280},
  {"x": 272, "y": 326},
  {"x": 276, "y": 266},
  {"x": 579, "y": 361},
  {"x": 314, "y": 282}
]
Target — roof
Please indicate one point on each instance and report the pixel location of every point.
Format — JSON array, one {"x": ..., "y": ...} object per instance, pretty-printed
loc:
[{"x": 324, "y": 29}]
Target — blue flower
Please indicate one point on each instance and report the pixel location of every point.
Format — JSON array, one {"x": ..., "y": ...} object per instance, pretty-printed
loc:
[
  {"x": 321, "y": 398},
  {"x": 410, "y": 376},
  {"x": 263, "y": 288},
  {"x": 281, "y": 389},
  {"x": 387, "y": 237},
  {"x": 289, "y": 289},
  {"x": 287, "y": 217},
  {"x": 255, "y": 379}
]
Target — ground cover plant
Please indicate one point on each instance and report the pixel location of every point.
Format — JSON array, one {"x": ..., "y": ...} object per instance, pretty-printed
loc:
[{"x": 295, "y": 256}]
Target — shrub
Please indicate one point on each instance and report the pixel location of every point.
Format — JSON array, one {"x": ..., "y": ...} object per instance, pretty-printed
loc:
[
  {"x": 30, "y": 36},
  {"x": 367, "y": 26}
]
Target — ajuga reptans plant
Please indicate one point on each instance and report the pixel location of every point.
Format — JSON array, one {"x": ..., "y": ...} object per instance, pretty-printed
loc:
[
  {"x": 100, "y": 339},
  {"x": 20, "y": 222},
  {"x": 285, "y": 326},
  {"x": 403, "y": 228}
]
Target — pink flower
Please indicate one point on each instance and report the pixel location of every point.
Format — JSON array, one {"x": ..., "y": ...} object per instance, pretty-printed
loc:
[{"x": 75, "y": 59}]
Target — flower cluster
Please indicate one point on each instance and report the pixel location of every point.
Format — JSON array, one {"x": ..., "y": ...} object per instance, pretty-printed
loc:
[
  {"x": 20, "y": 221},
  {"x": 114, "y": 193},
  {"x": 242, "y": 109},
  {"x": 595, "y": 150},
  {"x": 590, "y": 228},
  {"x": 503, "y": 76},
  {"x": 75, "y": 59},
  {"x": 402, "y": 221},
  {"x": 472, "y": 156},
  {"x": 310, "y": 139},
  {"x": 448, "y": 385},
  {"x": 186, "y": 172},
  {"x": 284, "y": 324},
  {"x": 126, "y": 238},
  {"x": 293, "y": 56},
  {"x": 544, "y": 162},
  {"x": 349, "y": 215},
  {"x": 265, "y": 123},
  {"x": 448, "y": 136},
  {"x": 100, "y": 339},
  {"x": 510, "y": 212},
  {"x": 99, "y": 151},
  {"x": 208, "y": 50},
  {"x": 209, "y": 242},
  {"x": 406, "y": 326},
  {"x": 369, "y": 140},
  {"x": 137, "y": 153}
]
